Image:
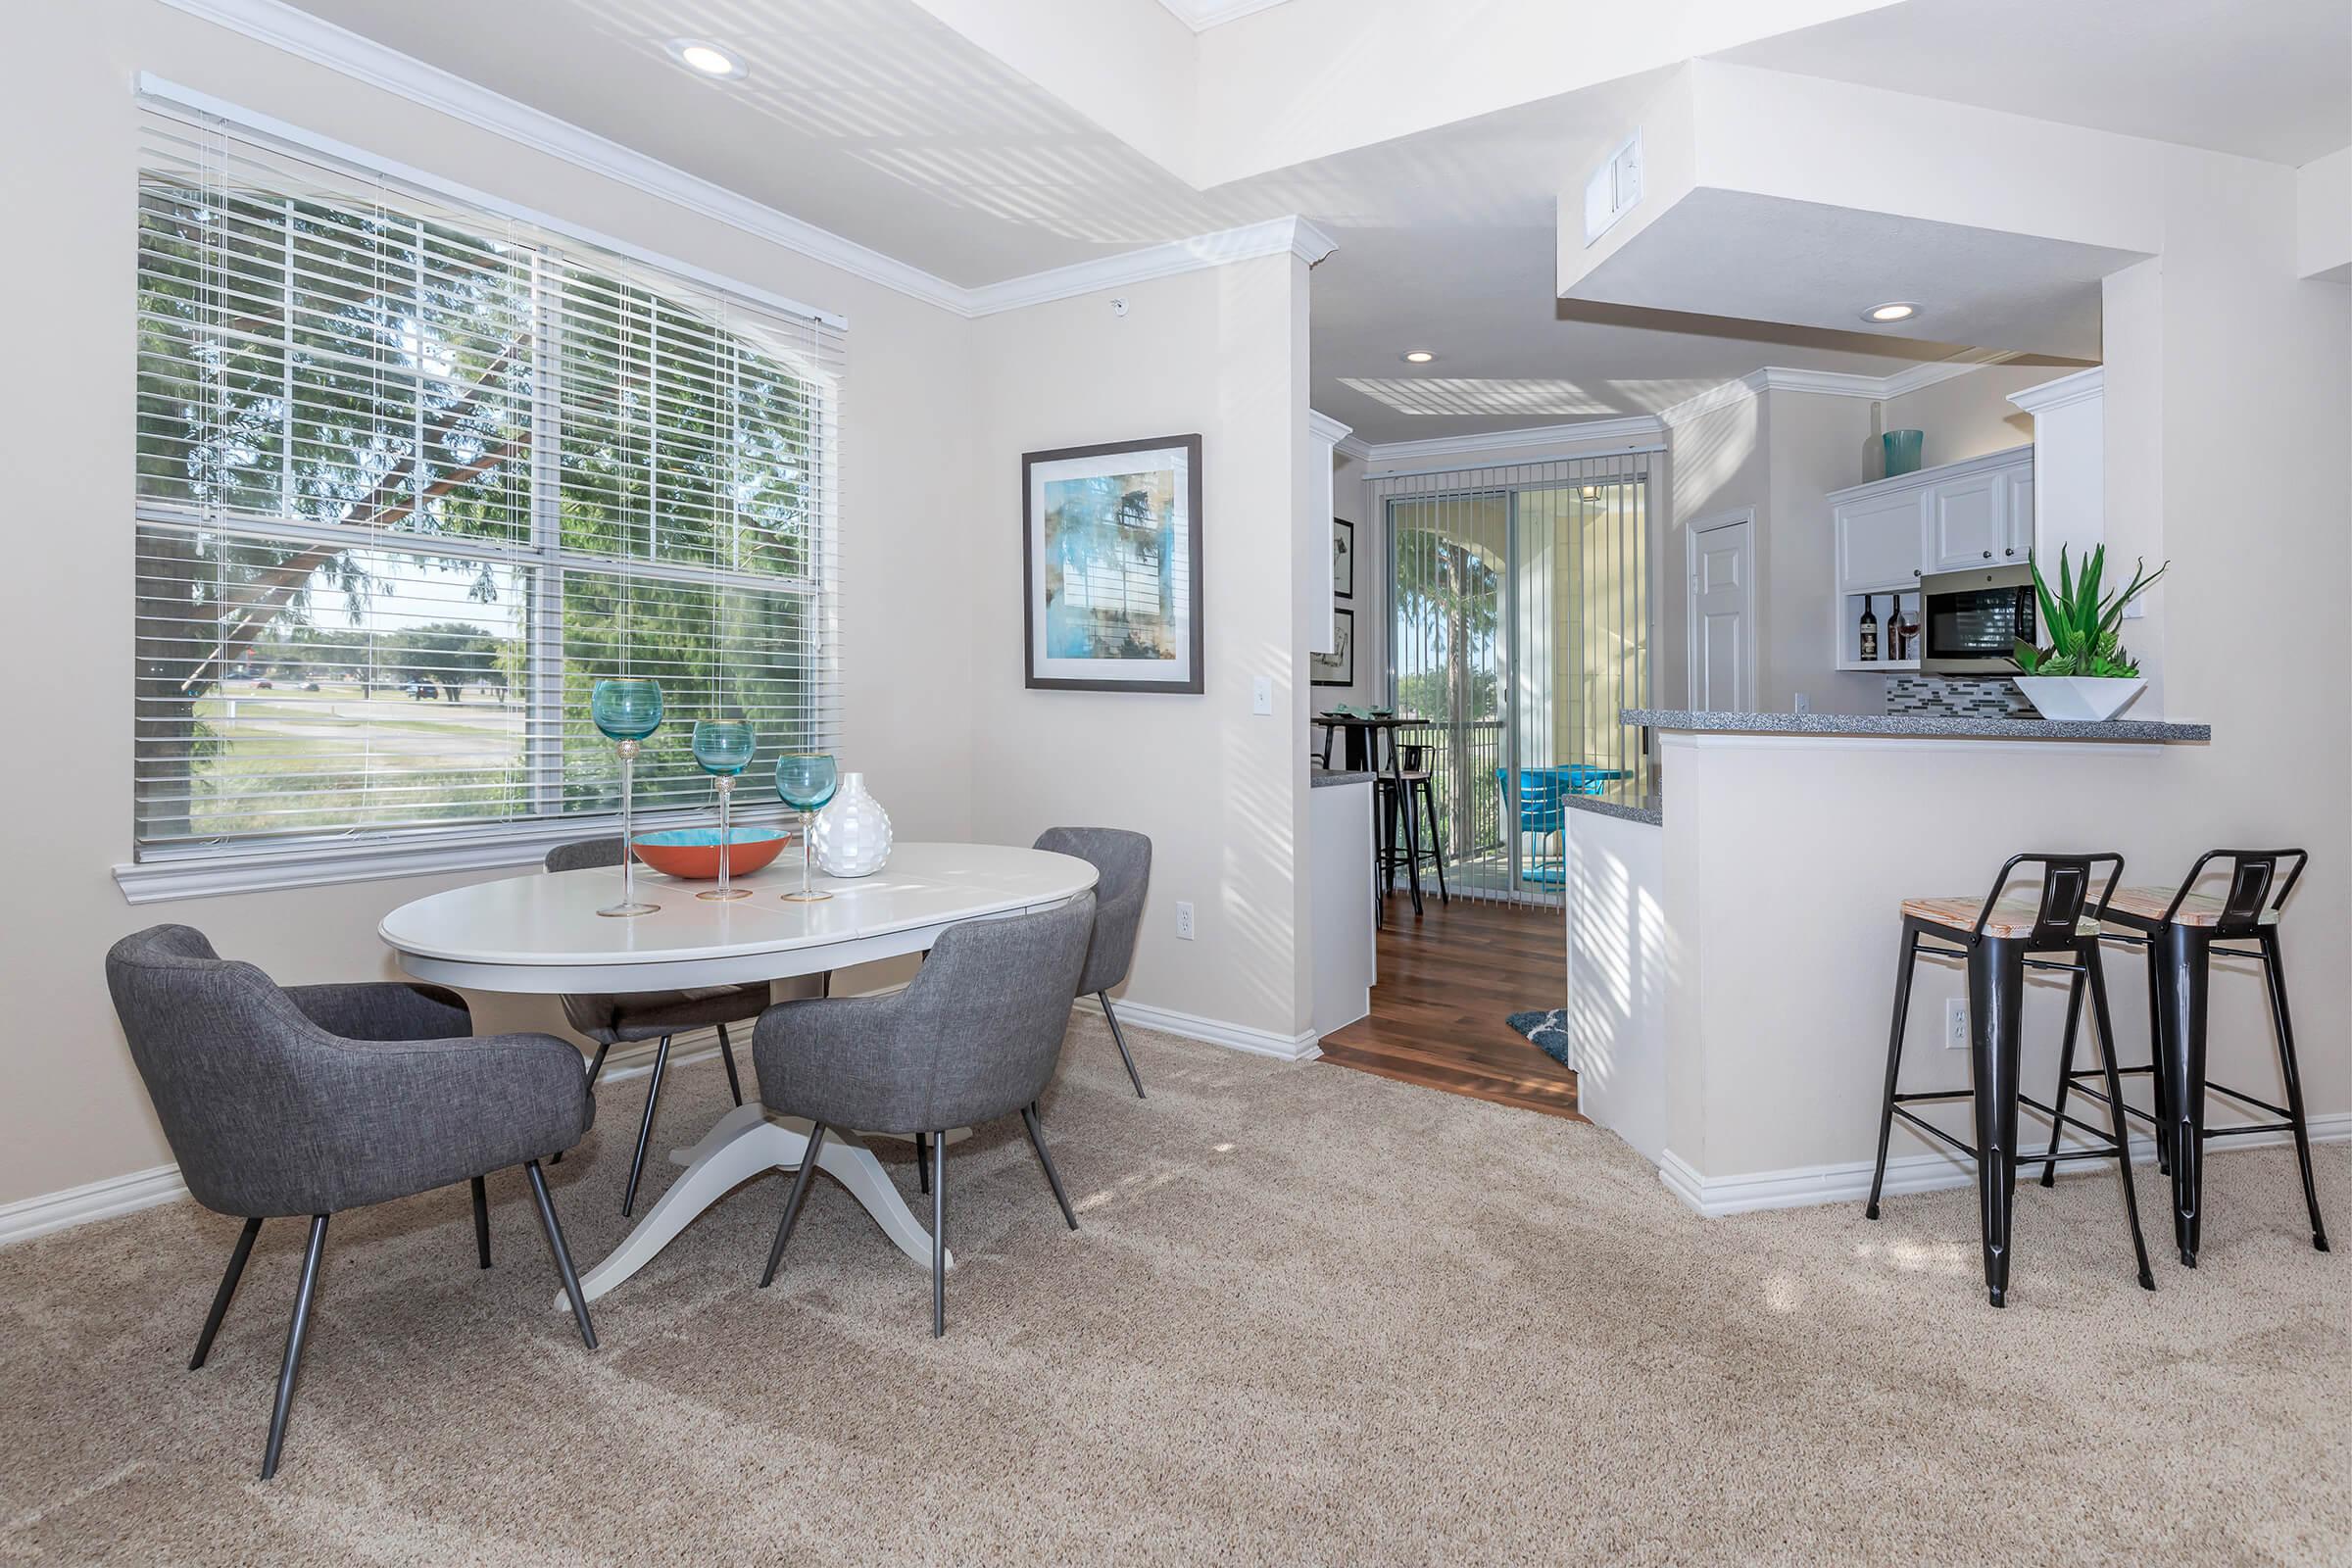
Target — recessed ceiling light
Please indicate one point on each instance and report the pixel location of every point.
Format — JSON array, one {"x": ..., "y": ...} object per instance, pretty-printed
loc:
[
  {"x": 1892, "y": 310},
  {"x": 703, "y": 58},
  {"x": 1417, "y": 355}
]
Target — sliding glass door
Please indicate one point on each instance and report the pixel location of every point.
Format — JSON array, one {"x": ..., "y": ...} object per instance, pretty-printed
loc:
[{"x": 1519, "y": 630}]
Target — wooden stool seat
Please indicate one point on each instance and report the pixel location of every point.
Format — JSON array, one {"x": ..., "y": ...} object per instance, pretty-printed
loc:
[
  {"x": 2010, "y": 918},
  {"x": 2198, "y": 908}
]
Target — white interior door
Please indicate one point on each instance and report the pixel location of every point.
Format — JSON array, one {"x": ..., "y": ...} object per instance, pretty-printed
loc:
[{"x": 1722, "y": 617}]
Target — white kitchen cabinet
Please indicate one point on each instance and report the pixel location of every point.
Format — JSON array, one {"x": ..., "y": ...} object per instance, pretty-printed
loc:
[
  {"x": 1891, "y": 532},
  {"x": 2017, "y": 528},
  {"x": 1968, "y": 519},
  {"x": 1879, "y": 542}
]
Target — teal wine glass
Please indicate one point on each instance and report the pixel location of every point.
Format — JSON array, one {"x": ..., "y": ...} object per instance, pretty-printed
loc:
[
  {"x": 723, "y": 746},
  {"x": 806, "y": 781},
  {"x": 626, "y": 711}
]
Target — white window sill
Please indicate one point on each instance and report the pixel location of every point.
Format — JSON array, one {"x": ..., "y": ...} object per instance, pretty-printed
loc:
[{"x": 220, "y": 873}]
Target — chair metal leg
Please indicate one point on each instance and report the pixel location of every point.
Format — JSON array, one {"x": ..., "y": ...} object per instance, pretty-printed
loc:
[
  {"x": 2284, "y": 1028},
  {"x": 296, "y": 1330},
  {"x": 1436, "y": 845},
  {"x": 792, "y": 1205},
  {"x": 1037, "y": 1141},
  {"x": 645, "y": 1127},
  {"x": 554, "y": 1232},
  {"x": 1906, "y": 958},
  {"x": 939, "y": 1238},
  {"x": 1412, "y": 849},
  {"x": 481, "y": 1222},
  {"x": 2116, "y": 1119},
  {"x": 726, "y": 1053},
  {"x": 1996, "y": 983},
  {"x": 1119, "y": 1039},
  {"x": 2161, "y": 1101},
  {"x": 2186, "y": 955},
  {"x": 922, "y": 1161},
  {"x": 2066, "y": 1078},
  {"x": 229, "y": 1289}
]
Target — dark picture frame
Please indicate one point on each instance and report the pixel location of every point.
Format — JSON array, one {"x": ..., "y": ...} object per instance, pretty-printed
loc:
[
  {"x": 1337, "y": 667},
  {"x": 1343, "y": 559},
  {"x": 1175, "y": 552}
]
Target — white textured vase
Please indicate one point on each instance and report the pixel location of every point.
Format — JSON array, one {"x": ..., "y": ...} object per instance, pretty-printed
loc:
[{"x": 852, "y": 836}]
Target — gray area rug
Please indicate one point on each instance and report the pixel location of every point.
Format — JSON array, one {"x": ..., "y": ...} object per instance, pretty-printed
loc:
[
  {"x": 1547, "y": 1031},
  {"x": 1314, "y": 1317}
]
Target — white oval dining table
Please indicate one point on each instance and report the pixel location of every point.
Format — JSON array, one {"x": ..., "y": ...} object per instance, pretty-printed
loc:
[{"x": 540, "y": 934}]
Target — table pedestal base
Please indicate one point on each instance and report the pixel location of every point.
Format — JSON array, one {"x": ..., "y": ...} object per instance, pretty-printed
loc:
[{"x": 743, "y": 1143}]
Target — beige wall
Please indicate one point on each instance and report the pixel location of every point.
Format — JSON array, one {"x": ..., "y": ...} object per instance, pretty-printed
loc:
[
  {"x": 1349, "y": 500},
  {"x": 929, "y": 563},
  {"x": 1717, "y": 465},
  {"x": 1220, "y": 789},
  {"x": 1963, "y": 418}
]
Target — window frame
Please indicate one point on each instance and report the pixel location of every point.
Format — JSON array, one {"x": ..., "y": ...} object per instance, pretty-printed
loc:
[{"x": 198, "y": 867}]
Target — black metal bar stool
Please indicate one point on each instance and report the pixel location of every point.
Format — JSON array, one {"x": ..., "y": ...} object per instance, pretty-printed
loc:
[
  {"x": 1410, "y": 789},
  {"x": 1998, "y": 939},
  {"x": 2180, "y": 928}
]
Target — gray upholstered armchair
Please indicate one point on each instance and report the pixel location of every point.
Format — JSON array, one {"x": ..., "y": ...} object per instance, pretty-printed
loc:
[
  {"x": 974, "y": 1037},
  {"x": 311, "y": 1100},
  {"x": 1122, "y": 862},
  {"x": 612, "y": 1020}
]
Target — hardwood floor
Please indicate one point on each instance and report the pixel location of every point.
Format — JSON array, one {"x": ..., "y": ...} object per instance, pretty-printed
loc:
[{"x": 1446, "y": 982}]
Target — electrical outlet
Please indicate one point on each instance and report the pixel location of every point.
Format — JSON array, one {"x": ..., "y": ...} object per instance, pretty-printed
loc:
[
  {"x": 1803, "y": 704},
  {"x": 1184, "y": 921},
  {"x": 1262, "y": 695},
  {"x": 1955, "y": 1023}
]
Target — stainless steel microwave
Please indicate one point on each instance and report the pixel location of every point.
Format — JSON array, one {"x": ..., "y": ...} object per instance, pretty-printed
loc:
[{"x": 1971, "y": 621}]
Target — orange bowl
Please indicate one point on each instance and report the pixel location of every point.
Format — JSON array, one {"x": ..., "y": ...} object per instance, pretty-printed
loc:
[{"x": 692, "y": 853}]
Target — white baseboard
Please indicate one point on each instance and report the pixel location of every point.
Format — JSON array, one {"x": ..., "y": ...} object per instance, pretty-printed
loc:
[
  {"x": 1304, "y": 1046},
  {"x": 27, "y": 1217},
  {"x": 1718, "y": 1195}
]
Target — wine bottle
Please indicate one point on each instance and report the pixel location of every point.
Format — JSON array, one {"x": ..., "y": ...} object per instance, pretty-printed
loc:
[{"x": 1868, "y": 643}]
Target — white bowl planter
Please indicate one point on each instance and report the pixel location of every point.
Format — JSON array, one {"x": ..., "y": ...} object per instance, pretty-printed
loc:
[{"x": 2088, "y": 698}]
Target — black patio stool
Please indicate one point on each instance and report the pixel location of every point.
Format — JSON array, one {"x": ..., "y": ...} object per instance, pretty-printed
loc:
[
  {"x": 2181, "y": 927},
  {"x": 1998, "y": 939},
  {"x": 1411, "y": 791}
]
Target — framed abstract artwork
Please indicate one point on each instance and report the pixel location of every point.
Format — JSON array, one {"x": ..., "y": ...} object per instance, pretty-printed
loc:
[
  {"x": 1337, "y": 667},
  {"x": 1110, "y": 563},
  {"x": 1343, "y": 559}
]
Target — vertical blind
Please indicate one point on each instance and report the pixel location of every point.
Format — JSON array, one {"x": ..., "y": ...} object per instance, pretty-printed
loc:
[
  {"x": 1519, "y": 629},
  {"x": 412, "y": 475}
]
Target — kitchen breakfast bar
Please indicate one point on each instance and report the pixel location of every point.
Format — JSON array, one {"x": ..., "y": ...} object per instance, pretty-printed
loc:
[{"x": 1732, "y": 931}]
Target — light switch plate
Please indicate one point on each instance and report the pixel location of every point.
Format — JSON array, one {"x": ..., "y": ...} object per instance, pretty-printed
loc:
[{"x": 1262, "y": 695}]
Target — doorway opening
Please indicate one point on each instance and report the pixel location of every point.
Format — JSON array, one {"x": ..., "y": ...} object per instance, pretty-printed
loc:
[{"x": 1517, "y": 630}]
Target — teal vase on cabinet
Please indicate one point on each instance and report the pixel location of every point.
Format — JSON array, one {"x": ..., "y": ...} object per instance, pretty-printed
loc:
[{"x": 1903, "y": 449}]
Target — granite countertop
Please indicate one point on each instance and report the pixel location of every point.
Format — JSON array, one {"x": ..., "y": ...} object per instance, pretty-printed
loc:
[
  {"x": 2141, "y": 731},
  {"x": 1619, "y": 803},
  {"x": 1319, "y": 777}
]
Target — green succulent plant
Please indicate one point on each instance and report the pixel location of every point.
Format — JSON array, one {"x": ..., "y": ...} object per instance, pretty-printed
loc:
[{"x": 2081, "y": 623}]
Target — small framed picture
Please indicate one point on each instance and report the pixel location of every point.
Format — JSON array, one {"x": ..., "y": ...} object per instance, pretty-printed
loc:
[
  {"x": 1110, "y": 554},
  {"x": 1337, "y": 667},
  {"x": 1343, "y": 559}
]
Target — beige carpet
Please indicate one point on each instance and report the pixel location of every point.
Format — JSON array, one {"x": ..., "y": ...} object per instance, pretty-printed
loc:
[{"x": 1314, "y": 1317}]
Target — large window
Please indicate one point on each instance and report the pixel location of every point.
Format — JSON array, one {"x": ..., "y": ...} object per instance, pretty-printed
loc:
[{"x": 414, "y": 475}]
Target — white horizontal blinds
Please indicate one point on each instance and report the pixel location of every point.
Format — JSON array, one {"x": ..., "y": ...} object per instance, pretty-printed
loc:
[{"x": 411, "y": 477}]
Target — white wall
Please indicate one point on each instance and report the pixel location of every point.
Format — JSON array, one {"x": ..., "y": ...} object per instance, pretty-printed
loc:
[
  {"x": 929, "y": 565},
  {"x": 1351, "y": 501},
  {"x": 1717, "y": 463},
  {"x": 1220, "y": 789}
]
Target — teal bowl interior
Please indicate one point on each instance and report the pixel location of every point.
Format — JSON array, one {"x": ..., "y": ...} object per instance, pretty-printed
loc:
[{"x": 707, "y": 837}]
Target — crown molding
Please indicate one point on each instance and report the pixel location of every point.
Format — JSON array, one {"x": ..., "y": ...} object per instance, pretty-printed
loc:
[
  {"x": 322, "y": 43},
  {"x": 1202, "y": 15},
  {"x": 1323, "y": 428},
  {"x": 1353, "y": 445},
  {"x": 1276, "y": 236},
  {"x": 1633, "y": 429},
  {"x": 2079, "y": 387},
  {"x": 1825, "y": 383}
]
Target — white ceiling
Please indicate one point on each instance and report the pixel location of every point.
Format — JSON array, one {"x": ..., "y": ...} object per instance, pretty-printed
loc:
[
  {"x": 2264, "y": 78},
  {"x": 1199, "y": 14},
  {"x": 872, "y": 120}
]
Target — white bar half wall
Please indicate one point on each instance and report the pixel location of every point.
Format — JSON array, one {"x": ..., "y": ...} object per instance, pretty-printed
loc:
[{"x": 1732, "y": 971}]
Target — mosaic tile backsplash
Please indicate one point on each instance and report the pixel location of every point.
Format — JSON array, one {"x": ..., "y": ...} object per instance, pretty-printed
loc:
[{"x": 1961, "y": 696}]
